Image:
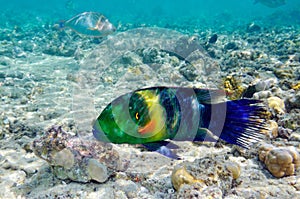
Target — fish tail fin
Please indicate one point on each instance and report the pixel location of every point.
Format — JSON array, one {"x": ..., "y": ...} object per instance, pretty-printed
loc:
[{"x": 243, "y": 122}]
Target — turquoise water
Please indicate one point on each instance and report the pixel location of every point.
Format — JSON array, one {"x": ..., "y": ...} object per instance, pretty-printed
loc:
[{"x": 162, "y": 13}]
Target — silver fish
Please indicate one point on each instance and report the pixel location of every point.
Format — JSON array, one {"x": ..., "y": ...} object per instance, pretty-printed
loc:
[
  {"x": 89, "y": 23},
  {"x": 271, "y": 3}
]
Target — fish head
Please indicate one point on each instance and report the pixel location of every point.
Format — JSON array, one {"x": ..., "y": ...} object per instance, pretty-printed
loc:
[
  {"x": 133, "y": 118},
  {"x": 107, "y": 26}
]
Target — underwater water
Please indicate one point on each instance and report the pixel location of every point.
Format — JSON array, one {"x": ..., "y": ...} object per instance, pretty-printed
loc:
[
  {"x": 208, "y": 13},
  {"x": 64, "y": 62}
]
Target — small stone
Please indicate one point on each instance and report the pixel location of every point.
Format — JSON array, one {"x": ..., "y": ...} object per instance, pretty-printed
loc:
[
  {"x": 129, "y": 187},
  {"x": 97, "y": 171},
  {"x": 295, "y": 137},
  {"x": 213, "y": 39},
  {"x": 294, "y": 101},
  {"x": 272, "y": 129},
  {"x": 180, "y": 176},
  {"x": 284, "y": 132},
  {"x": 231, "y": 46},
  {"x": 234, "y": 168},
  {"x": 64, "y": 158},
  {"x": 262, "y": 85},
  {"x": 276, "y": 105},
  {"x": 263, "y": 150},
  {"x": 284, "y": 73},
  {"x": 262, "y": 95},
  {"x": 104, "y": 192}
]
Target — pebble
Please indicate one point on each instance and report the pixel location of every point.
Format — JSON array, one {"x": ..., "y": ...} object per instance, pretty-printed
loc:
[
  {"x": 276, "y": 105},
  {"x": 180, "y": 176},
  {"x": 293, "y": 102},
  {"x": 231, "y": 46},
  {"x": 97, "y": 171},
  {"x": 130, "y": 188},
  {"x": 104, "y": 192},
  {"x": 272, "y": 127},
  {"x": 213, "y": 39},
  {"x": 64, "y": 158},
  {"x": 295, "y": 137}
]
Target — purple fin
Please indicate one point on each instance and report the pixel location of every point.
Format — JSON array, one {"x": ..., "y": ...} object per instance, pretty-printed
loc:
[{"x": 161, "y": 148}]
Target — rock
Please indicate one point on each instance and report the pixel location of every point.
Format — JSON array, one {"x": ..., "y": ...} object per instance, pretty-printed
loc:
[
  {"x": 127, "y": 186},
  {"x": 104, "y": 192},
  {"x": 97, "y": 171},
  {"x": 76, "y": 159},
  {"x": 295, "y": 86},
  {"x": 293, "y": 101},
  {"x": 196, "y": 191},
  {"x": 295, "y": 137},
  {"x": 276, "y": 105},
  {"x": 186, "y": 45},
  {"x": 233, "y": 87},
  {"x": 284, "y": 132},
  {"x": 284, "y": 73},
  {"x": 231, "y": 46},
  {"x": 234, "y": 168},
  {"x": 213, "y": 39},
  {"x": 280, "y": 161},
  {"x": 262, "y": 85},
  {"x": 180, "y": 177},
  {"x": 263, "y": 150},
  {"x": 272, "y": 129},
  {"x": 64, "y": 158},
  {"x": 245, "y": 54},
  {"x": 291, "y": 120},
  {"x": 205, "y": 174}
]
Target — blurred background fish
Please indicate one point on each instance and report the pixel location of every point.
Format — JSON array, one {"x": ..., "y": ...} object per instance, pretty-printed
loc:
[
  {"x": 271, "y": 3},
  {"x": 89, "y": 23}
]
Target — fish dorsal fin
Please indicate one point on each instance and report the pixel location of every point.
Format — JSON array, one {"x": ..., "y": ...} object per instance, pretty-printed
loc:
[{"x": 210, "y": 96}]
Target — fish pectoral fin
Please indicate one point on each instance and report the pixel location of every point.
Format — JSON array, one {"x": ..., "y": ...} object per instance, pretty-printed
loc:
[
  {"x": 153, "y": 146},
  {"x": 163, "y": 147},
  {"x": 168, "y": 153}
]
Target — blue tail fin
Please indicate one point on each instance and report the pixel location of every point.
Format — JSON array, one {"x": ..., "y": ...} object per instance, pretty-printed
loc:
[{"x": 242, "y": 123}]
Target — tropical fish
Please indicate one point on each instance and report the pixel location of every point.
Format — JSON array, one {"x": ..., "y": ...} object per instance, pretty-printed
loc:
[
  {"x": 152, "y": 116},
  {"x": 271, "y": 3},
  {"x": 90, "y": 24}
]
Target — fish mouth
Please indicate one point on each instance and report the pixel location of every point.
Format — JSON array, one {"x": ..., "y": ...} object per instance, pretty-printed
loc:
[{"x": 99, "y": 133}]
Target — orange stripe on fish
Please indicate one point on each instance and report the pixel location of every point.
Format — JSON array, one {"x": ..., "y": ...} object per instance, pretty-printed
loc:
[{"x": 149, "y": 128}]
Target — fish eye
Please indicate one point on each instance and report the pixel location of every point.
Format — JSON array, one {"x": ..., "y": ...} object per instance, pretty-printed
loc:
[{"x": 137, "y": 116}]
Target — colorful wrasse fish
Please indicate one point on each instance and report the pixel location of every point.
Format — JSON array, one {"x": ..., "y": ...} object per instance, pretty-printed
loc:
[
  {"x": 150, "y": 116},
  {"x": 89, "y": 23}
]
